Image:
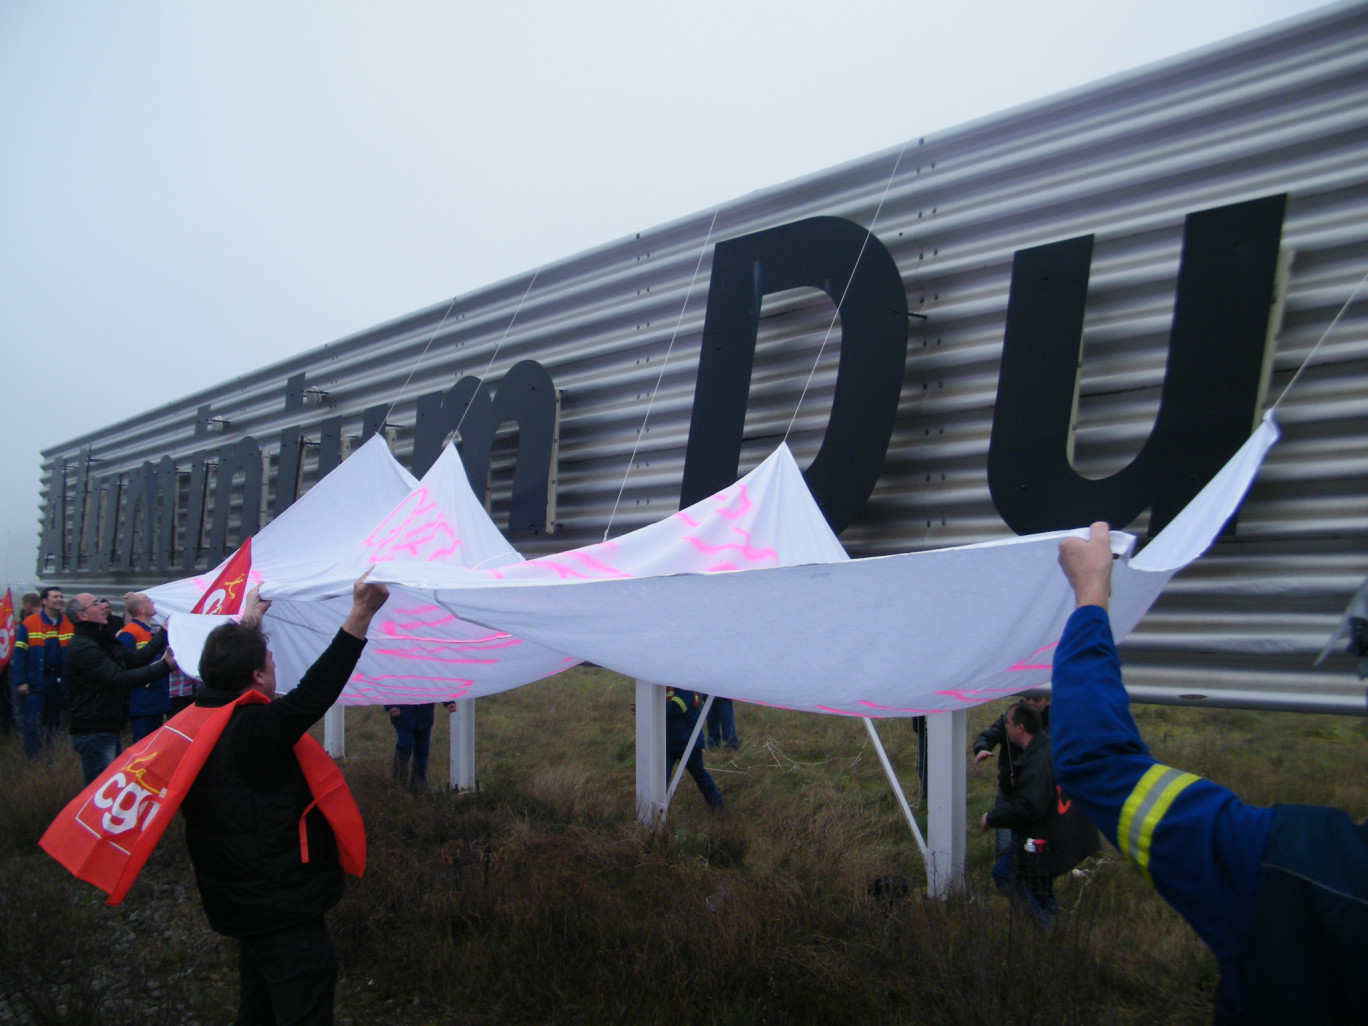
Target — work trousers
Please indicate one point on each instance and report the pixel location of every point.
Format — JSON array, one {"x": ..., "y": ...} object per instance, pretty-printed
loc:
[
  {"x": 287, "y": 977},
  {"x": 97, "y": 751}
]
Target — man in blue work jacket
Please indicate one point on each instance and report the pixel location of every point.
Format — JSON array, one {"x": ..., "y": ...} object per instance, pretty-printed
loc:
[
  {"x": 1280, "y": 895},
  {"x": 39, "y": 653}
]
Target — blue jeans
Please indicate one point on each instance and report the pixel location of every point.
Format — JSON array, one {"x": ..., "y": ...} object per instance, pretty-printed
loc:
[
  {"x": 288, "y": 976},
  {"x": 413, "y": 726},
  {"x": 52, "y": 707},
  {"x": 144, "y": 725},
  {"x": 28, "y": 710},
  {"x": 694, "y": 764},
  {"x": 1004, "y": 868},
  {"x": 97, "y": 751},
  {"x": 721, "y": 727}
]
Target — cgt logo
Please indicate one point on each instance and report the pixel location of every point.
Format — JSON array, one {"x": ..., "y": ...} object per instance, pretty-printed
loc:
[
  {"x": 124, "y": 801},
  {"x": 129, "y": 797}
]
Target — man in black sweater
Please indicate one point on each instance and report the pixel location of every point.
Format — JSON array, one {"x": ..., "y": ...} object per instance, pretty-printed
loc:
[
  {"x": 99, "y": 674},
  {"x": 265, "y": 855}
]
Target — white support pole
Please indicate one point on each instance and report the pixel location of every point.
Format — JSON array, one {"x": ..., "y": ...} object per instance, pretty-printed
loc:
[
  {"x": 650, "y": 752},
  {"x": 463, "y": 746},
  {"x": 946, "y": 795},
  {"x": 335, "y": 731},
  {"x": 897, "y": 789}
]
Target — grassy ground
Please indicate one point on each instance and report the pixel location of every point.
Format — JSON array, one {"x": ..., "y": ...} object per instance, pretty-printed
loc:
[{"x": 539, "y": 898}]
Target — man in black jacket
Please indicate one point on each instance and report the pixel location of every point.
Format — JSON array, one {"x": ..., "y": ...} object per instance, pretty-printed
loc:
[
  {"x": 995, "y": 736},
  {"x": 99, "y": 674},
  {"x": 265, "y": 857},
  {"x": 1043, "y": 842}
]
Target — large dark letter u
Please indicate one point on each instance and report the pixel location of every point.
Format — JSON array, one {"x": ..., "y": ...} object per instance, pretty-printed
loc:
[{"x": 1211, "y": 393}]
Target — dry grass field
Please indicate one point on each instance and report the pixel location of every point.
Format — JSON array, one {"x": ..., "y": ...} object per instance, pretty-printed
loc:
[{"x": 539, "y": 899}]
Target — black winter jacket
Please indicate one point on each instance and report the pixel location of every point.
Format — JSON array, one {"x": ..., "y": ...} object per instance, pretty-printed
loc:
[
  {"x": 995, "y": 736},
  {"x": 1037, "y": 808},
  {"x": 99, "y": 674},
  {"x": 243, "y": 812}
]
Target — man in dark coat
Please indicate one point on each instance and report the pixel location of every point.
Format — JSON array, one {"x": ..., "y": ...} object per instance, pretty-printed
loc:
[
  {"x": 265, "y": 857},
  {"x": 99, "y": 674},
  {"x": 993, "y": 737},
  {"x": 1043, "y": 844}
]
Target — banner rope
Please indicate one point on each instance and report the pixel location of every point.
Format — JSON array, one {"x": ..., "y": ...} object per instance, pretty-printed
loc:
[
  {"x": 853, "y": 271},
  {"x": 497, "y": 346},
  {"x": 432, "y": 337},
  {"x": 1324, "y": 335},
  {"x": 636, "y": 443}
]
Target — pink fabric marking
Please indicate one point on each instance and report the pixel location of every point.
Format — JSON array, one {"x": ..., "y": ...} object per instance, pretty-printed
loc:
[
  {"x": 421, "y": 503},
  {"x": 1023, "y": 665},
  {"x": 436, "y": 650},
  {"x": 386, "y": 539},
  {"x": 743, "y": 504},
  {"x": 746, "y": 549},
  {"x": 980, "y": 694},
  {"x": 564, "y": 571},
  {"x": 405, "y": 632},
  {"x": 889, "y": 708},
  {"x": 376, "y": 689},
  {"x": 843, "y": 712}
]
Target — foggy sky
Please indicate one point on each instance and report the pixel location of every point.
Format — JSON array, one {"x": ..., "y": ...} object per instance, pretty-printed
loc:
[{"x": 192, "y": 191}]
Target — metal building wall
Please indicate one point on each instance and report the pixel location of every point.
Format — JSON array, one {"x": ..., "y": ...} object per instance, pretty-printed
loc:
[{"x": 618, "y": 328}]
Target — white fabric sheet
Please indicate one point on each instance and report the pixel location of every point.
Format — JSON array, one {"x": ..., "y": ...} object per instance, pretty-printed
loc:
[
  {"x": 418, "y": 650},
  {"x": 746, "y": 594},
  {"x": 888, "y": 636}
]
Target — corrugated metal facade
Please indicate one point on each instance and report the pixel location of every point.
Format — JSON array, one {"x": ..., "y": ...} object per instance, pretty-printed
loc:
[{"x": 1285, "y": 110}]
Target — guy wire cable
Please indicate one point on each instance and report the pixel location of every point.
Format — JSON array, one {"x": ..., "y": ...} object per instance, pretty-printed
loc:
[
  {"x": 1324, "y": 335},
  {"x": 858, "y": 257},
  {"x": 427, "y": 345},
  {"x": 702, "y": 252},
  {"x": 400, "y": 394},
  {"x": 497, "y": 346}
]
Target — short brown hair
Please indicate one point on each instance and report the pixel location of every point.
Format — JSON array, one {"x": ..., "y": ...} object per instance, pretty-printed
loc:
[{"x": 232, "y": 653}]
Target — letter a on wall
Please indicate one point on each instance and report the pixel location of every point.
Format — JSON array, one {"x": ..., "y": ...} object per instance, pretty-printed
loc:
[{"x": 1211, "y": 391}]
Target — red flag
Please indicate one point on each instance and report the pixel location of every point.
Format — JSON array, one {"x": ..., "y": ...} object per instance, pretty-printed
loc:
[
  {"x": 106, "y": 833},
  {"x": 6, "y": 629},
  {"x": 226, "y": 593}
]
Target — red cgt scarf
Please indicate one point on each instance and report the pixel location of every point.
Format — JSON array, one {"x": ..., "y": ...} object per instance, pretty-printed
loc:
[{"x": 106, "y": 833}]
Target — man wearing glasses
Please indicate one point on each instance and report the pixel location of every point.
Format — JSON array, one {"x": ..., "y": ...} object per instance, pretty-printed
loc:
[{"x": 99, "y": 674}]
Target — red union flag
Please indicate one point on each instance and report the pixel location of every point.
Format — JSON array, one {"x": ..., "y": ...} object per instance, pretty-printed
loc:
[
  {"x": 106, "y": 833},
  {"x": 6, "y": 629},
  {"x": 225, "y": 594}
]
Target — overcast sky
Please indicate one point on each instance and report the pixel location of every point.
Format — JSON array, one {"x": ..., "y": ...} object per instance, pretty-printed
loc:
[{"x": 193, "y": 190}]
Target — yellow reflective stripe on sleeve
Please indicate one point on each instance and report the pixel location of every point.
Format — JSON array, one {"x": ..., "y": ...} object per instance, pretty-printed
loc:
[{"x": 1146, "y": 806}]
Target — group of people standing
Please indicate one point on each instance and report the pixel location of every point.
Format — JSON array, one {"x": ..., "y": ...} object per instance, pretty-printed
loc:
[
  {"x": 80, "y": 662},
  {"x": 77, "y": 661}
]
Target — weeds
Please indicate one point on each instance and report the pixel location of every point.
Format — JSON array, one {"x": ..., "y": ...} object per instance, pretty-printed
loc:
[{"x": 539, "y": 899}]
